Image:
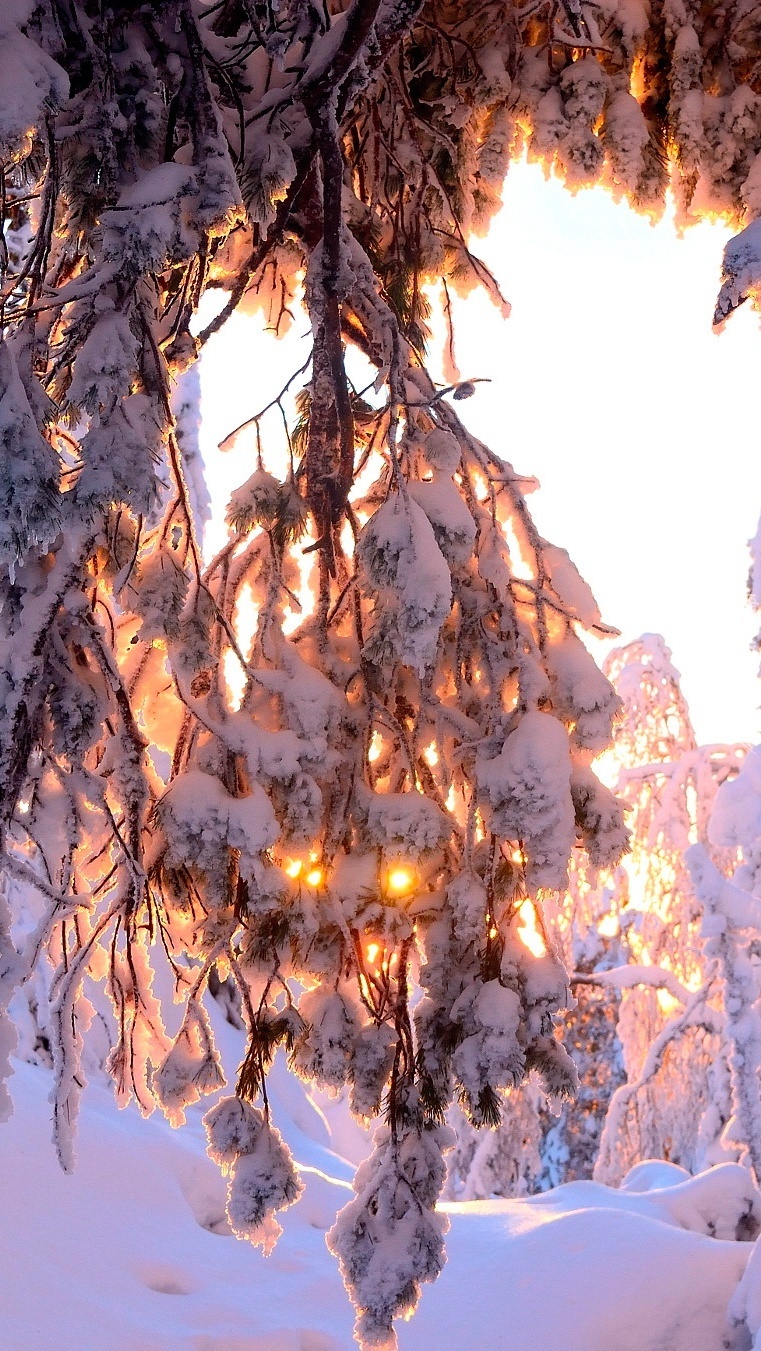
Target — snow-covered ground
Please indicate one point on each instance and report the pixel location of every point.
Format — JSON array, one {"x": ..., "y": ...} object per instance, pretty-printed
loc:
[{"x": 132, "y": 1252}]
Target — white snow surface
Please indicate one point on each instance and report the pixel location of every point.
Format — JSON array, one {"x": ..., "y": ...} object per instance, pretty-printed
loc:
[{"x": 132, "y": 1252}]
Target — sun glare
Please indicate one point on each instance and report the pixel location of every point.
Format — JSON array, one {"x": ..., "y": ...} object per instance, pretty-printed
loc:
[
  {"x": 400, "y": 881},
  {"x": 668, "y": 1003},
  {"x": 637, "y": 83},
  {"x": 245, "y": 619},
  {"x": 609, "y": 926},
  {"x": 528, "y": 931},
  {"x": 235, "y": 679}
]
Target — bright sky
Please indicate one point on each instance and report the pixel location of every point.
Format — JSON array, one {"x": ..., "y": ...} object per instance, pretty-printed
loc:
[{"x": 608, "y": 384}]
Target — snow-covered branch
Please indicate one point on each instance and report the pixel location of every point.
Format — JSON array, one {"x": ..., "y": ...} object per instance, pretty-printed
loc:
[{"x": 695, "y": 1012}]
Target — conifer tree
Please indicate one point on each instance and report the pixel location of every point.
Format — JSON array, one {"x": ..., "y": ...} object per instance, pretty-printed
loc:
[{"x": 410, "y": 758}]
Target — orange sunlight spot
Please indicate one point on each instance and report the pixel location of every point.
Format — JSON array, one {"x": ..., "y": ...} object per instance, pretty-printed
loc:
[
  {"x": 667, "y": 1002},
  {"x": 235, "y": 679},
  {"x": 609, "y": 926},
  {"x": 347, "y": 539},
  {"x": 400, "y": 881},
  {"x": 244, "y": 627},
  {"x": 637, "y": 87},
  {"x": 529, "y": 933}
]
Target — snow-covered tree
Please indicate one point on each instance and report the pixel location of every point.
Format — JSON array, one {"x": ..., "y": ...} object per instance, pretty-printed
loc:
[
  {"x": 408, "y": 763},
  {"x": 631, "y": 937},
  {"x": 670, "y": 1024},
  {"x": 731, "y": 925}
]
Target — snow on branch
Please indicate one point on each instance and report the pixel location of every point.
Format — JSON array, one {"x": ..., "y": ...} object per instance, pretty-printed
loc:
[
  {"x": 695, "y": 1012},
  {"x": 628, "y": 977}
]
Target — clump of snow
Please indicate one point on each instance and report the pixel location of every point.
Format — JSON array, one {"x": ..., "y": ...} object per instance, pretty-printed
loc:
[
  {"x": 406, "y": 822},
  {"x": 736, "y": 818},
  {"x": 199, "y": 817},
  {"x": 452, "y": 523},
  {"x": 581, "y": 693},
  {"x": 29, "y": 471},
  {"x": 526, "y": 791},
  {"x": 191, "y": 1067},
  {"x": 324, "y": 1051},
  {"x": 106, "y": 361},
  {"x": 403, "y": 568},
  {"x": 390, "y": 1238},
  {"x": 232, "y": 1127},
  {"x": 741, "y": 271},
  {"x": 570, "y": 587},
  {"x": 489, "y": 1053},
  {"x": 263, "y": 1181},
  {"x": 32, "y": 83},
  {"x": 442, "y": 450}
]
